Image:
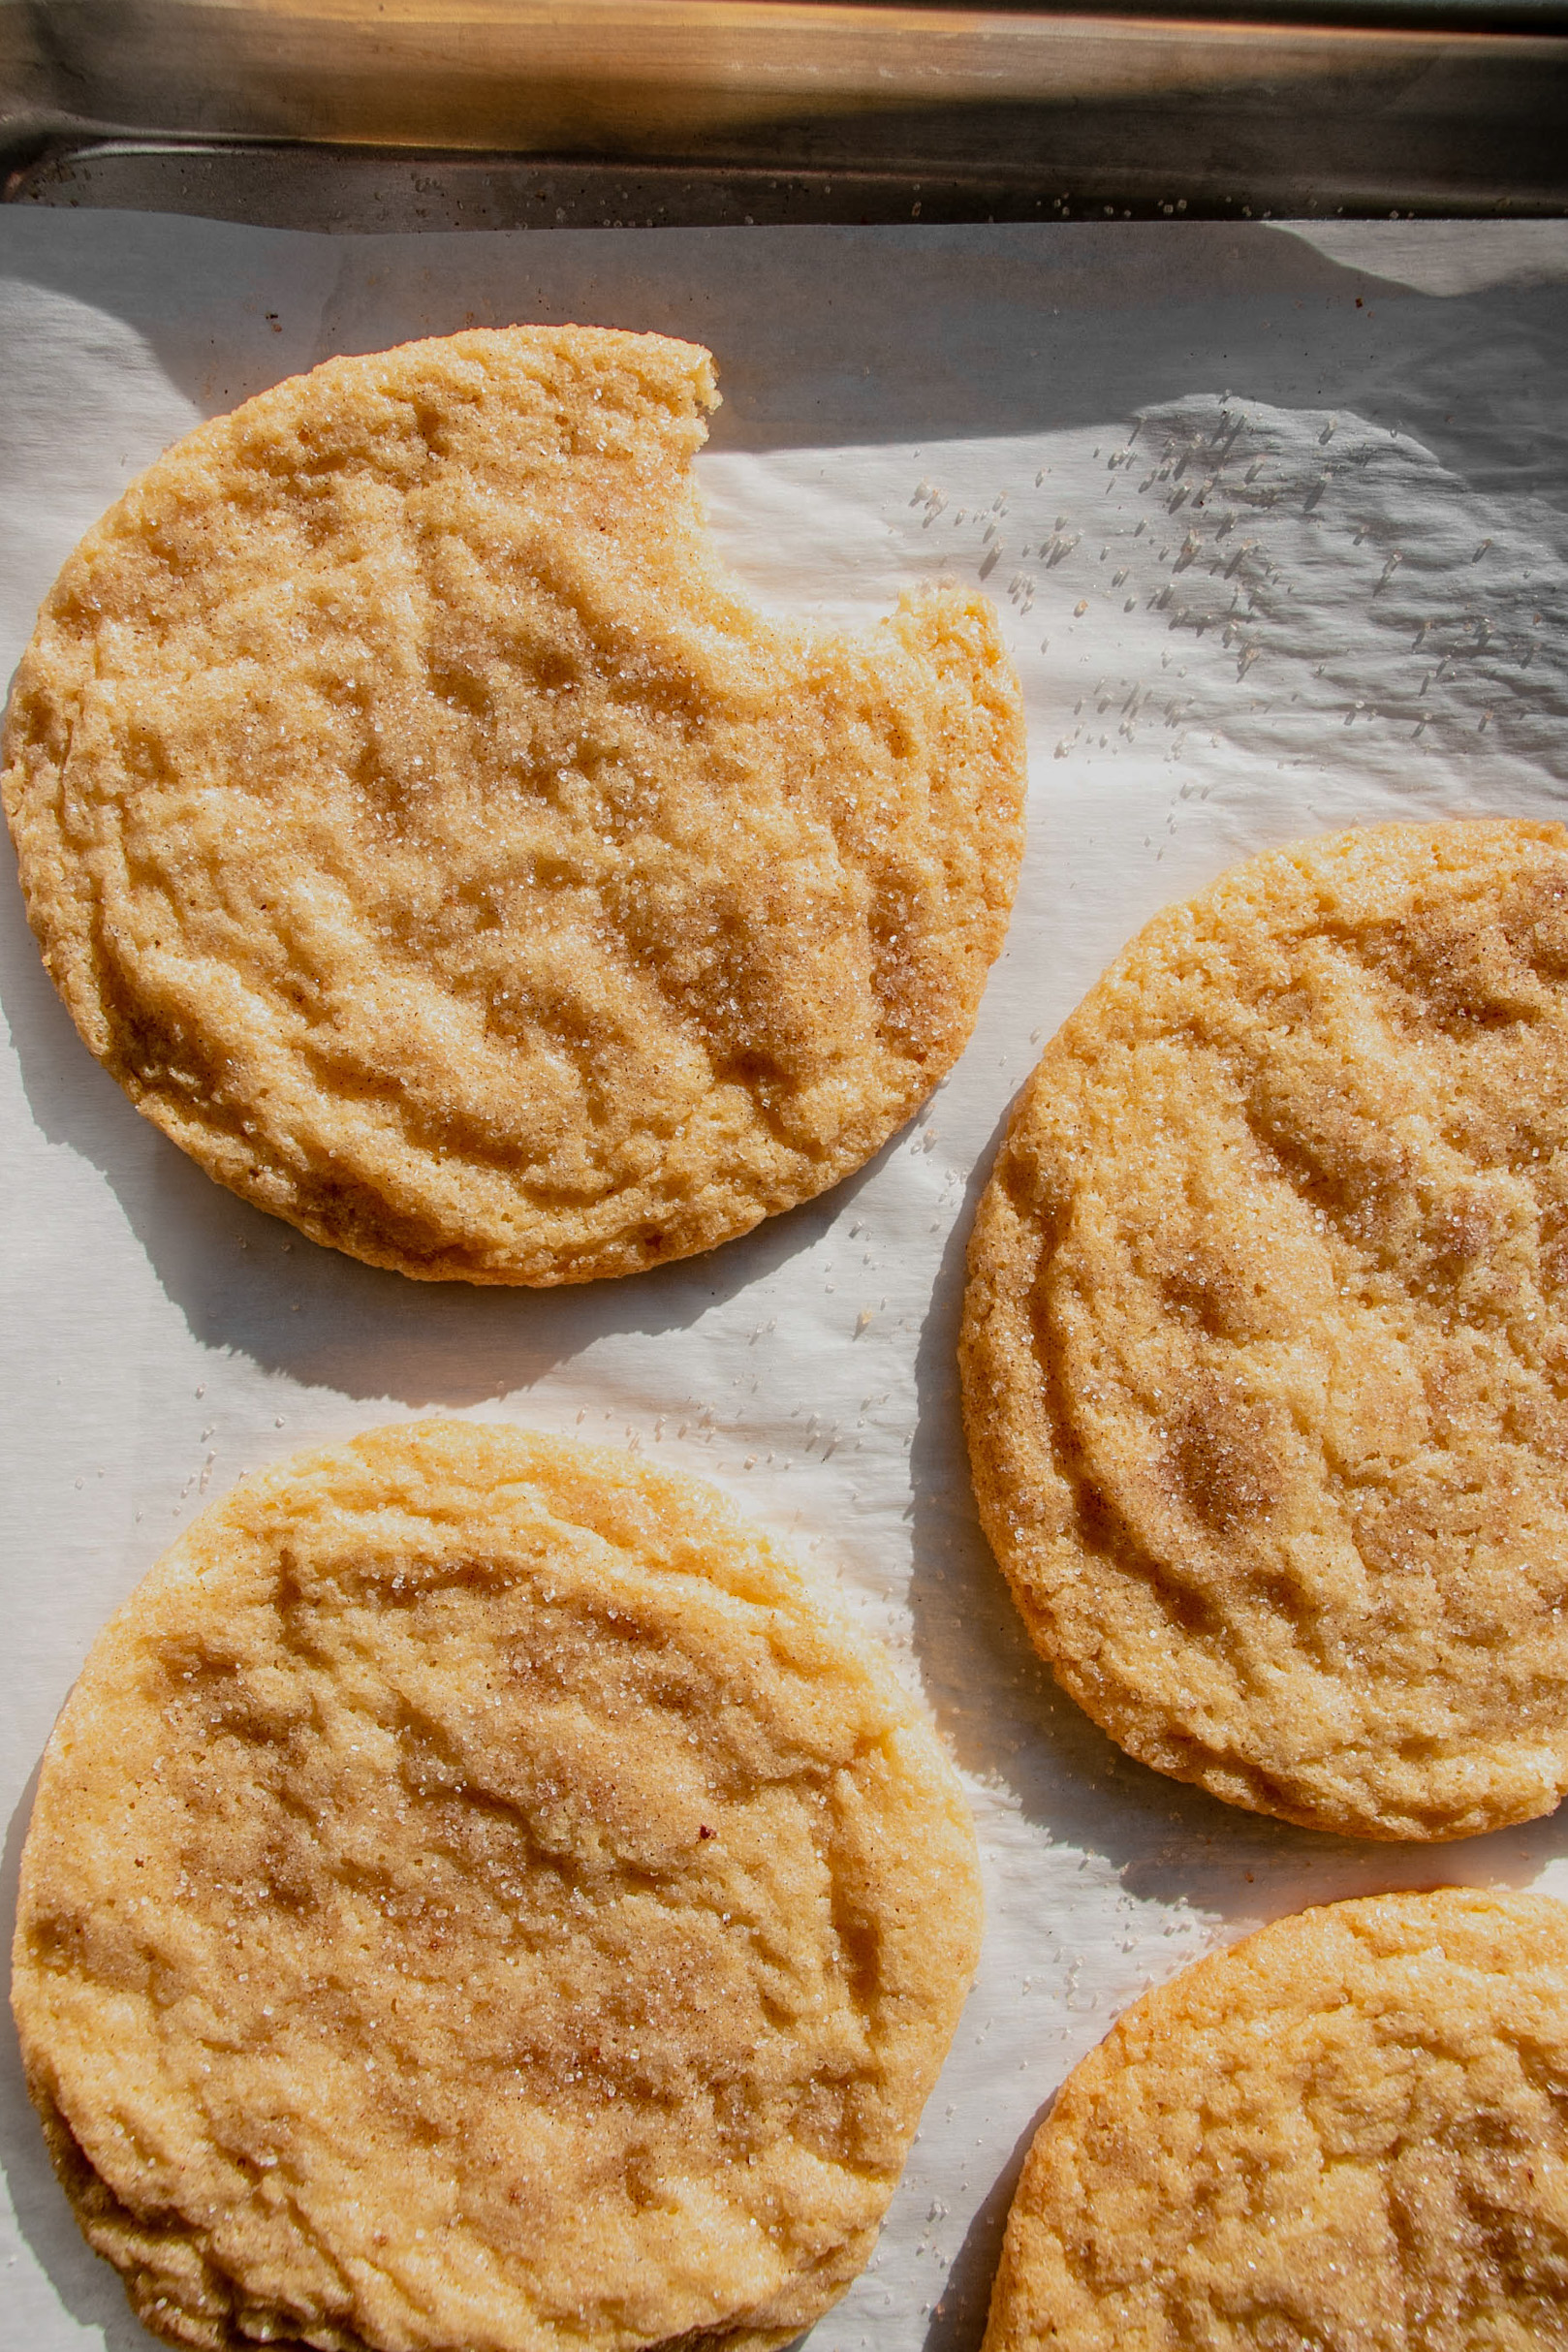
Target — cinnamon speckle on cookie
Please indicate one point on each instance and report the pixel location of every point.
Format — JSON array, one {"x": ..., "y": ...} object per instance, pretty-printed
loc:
[
  {"x": 1266, "y": 1341},
  {"x": 478, "y": 1896},
  {"x": 428, "y": 835}
]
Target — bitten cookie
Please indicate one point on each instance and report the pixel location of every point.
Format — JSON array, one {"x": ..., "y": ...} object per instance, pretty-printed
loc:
[
  {"x": 478, "y": 1900},
  {"x": 1265, "y": 1353},
  {"x": 1351, "y": 2130},
  {"x": 435, "y": 845}
]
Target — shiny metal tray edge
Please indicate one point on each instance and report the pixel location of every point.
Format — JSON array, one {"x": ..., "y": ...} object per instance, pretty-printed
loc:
[{"x": 359, "y": 115}]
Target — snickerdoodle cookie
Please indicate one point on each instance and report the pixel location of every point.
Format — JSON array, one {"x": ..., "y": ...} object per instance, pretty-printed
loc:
[
  {"x": 478, "y": 1900},
  {"x": 1265, "y": 1353},
  {"x": 426, "y": 832},
  {"x": 1351, "y": 2130}
]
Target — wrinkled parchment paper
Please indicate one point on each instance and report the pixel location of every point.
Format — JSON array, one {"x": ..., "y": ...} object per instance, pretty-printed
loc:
[{"x": 1277, "y": 521}]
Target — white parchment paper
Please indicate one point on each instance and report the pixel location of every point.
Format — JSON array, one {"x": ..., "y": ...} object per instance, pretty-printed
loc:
[{"x": 1278, "y": 520}]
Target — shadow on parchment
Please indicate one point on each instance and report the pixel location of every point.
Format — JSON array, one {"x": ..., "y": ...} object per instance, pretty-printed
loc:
[
  {"x": 87, "y": 2288},
  {"x": 959, "y": 2318},
  {"x": 248, "y": 1282},
  {"x": 830, "y": 335}
]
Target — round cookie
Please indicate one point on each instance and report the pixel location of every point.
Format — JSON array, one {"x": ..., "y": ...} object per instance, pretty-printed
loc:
[
  {"x": 1264, "y": 1350},
  {"x": 478, "y": 1900},
  {"x": 1349, "y": 2131},
  {"x": 433, "y": 842}
]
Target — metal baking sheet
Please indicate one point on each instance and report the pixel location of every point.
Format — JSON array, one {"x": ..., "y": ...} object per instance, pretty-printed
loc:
[
  {"x": 780, "y": 110},
  {"x": 1277, "y": 522}
]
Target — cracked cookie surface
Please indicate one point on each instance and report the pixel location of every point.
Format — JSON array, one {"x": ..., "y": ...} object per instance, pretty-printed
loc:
[
  {"x": 436, "y": 845},
  {"x": 479, "y": 1901},
  {"x": 1351, "y": 2129},
  {"x": 1265, "y": 1359}
]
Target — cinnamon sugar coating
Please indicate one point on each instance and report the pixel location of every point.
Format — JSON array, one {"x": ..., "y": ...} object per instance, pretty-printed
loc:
[
  {"x": 1265, "y": 1355},
  {"x": 423, "y": 828},
  {"x": 479, "y": 1901},
  {"x": 1351, "y": 2130}
]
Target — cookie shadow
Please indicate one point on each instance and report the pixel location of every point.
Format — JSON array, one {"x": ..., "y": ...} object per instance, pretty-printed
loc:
[
  {"x": 958, "y": 2319},
  {"x": 87, "y": 2288},
  {"x": 1020, "y": 327},
  {"x": 1007, "y": 1721},
  {"x": 248, "y": 1284}
]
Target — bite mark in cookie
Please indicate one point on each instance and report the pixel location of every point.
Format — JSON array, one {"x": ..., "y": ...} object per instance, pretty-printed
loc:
[{"x": 428, "y": 835}]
